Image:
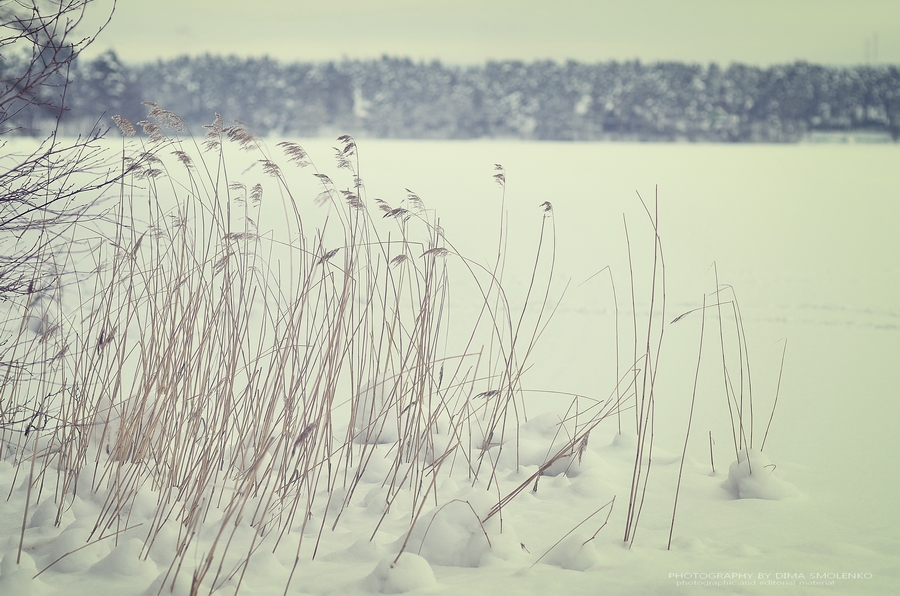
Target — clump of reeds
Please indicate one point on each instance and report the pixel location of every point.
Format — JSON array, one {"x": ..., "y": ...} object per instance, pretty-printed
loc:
[{"x": 225, "y": 367}]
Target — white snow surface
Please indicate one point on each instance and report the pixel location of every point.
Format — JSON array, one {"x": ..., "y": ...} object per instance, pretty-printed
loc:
[{"x": 805, "y": 234}]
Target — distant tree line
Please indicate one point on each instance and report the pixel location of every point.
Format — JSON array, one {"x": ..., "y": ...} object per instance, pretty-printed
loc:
[{"x": 395, "y": 98}]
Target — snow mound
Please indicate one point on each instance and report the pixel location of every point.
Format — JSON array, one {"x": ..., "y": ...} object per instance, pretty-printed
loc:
[
  {"x": 17, "y": 579},
  {"x": 125, "y": 561},
  {"x": 410, "y": 572},
  {"x": 73, "y": 551},
  {"x": 753, "y": 476},
  {"x": 453, "y": 534},
  {"x": 576, "y": 552}
]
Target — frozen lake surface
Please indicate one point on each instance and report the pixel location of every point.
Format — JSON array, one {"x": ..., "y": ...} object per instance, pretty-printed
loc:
[{"x": 806, "y": 236}]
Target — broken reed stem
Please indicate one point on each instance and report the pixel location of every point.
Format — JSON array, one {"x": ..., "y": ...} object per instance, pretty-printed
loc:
[
  {"x": 634, "y": 357},
  {"x": 728, "y": 392},
  {"x": 687, "y": 433},
  {"x": 611, "y": 503},
  {"x": 777, "y": 391},
  {"x": 83, "y": 546}
]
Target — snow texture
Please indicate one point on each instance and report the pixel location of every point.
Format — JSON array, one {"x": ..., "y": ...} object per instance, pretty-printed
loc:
[{"x": 410, "y": 572}]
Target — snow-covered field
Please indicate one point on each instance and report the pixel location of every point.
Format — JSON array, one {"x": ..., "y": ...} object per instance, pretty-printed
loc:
[{"x": 805, "y": 235}]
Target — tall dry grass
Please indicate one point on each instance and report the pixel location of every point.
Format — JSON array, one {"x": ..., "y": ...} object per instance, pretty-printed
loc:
[{"x": 257, "y": 374}]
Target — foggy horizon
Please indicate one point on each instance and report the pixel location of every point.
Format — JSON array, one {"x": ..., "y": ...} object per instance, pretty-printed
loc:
[{"x": 467, "y": 33}]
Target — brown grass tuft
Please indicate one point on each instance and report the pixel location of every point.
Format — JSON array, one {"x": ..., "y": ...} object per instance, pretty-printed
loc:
[
  {"x": 165, "y": 117},
  {"x": 125, "y": 126},
  {"x": 296, "y": 154},
  {"x": 240, "y": 134}
]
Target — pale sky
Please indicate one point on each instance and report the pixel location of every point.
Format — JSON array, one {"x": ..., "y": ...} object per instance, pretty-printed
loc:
[{"x": 758, "y": 32}]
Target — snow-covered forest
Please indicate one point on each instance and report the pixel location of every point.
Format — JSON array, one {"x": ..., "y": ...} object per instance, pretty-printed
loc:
[{"x": 399, "y": 98}]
